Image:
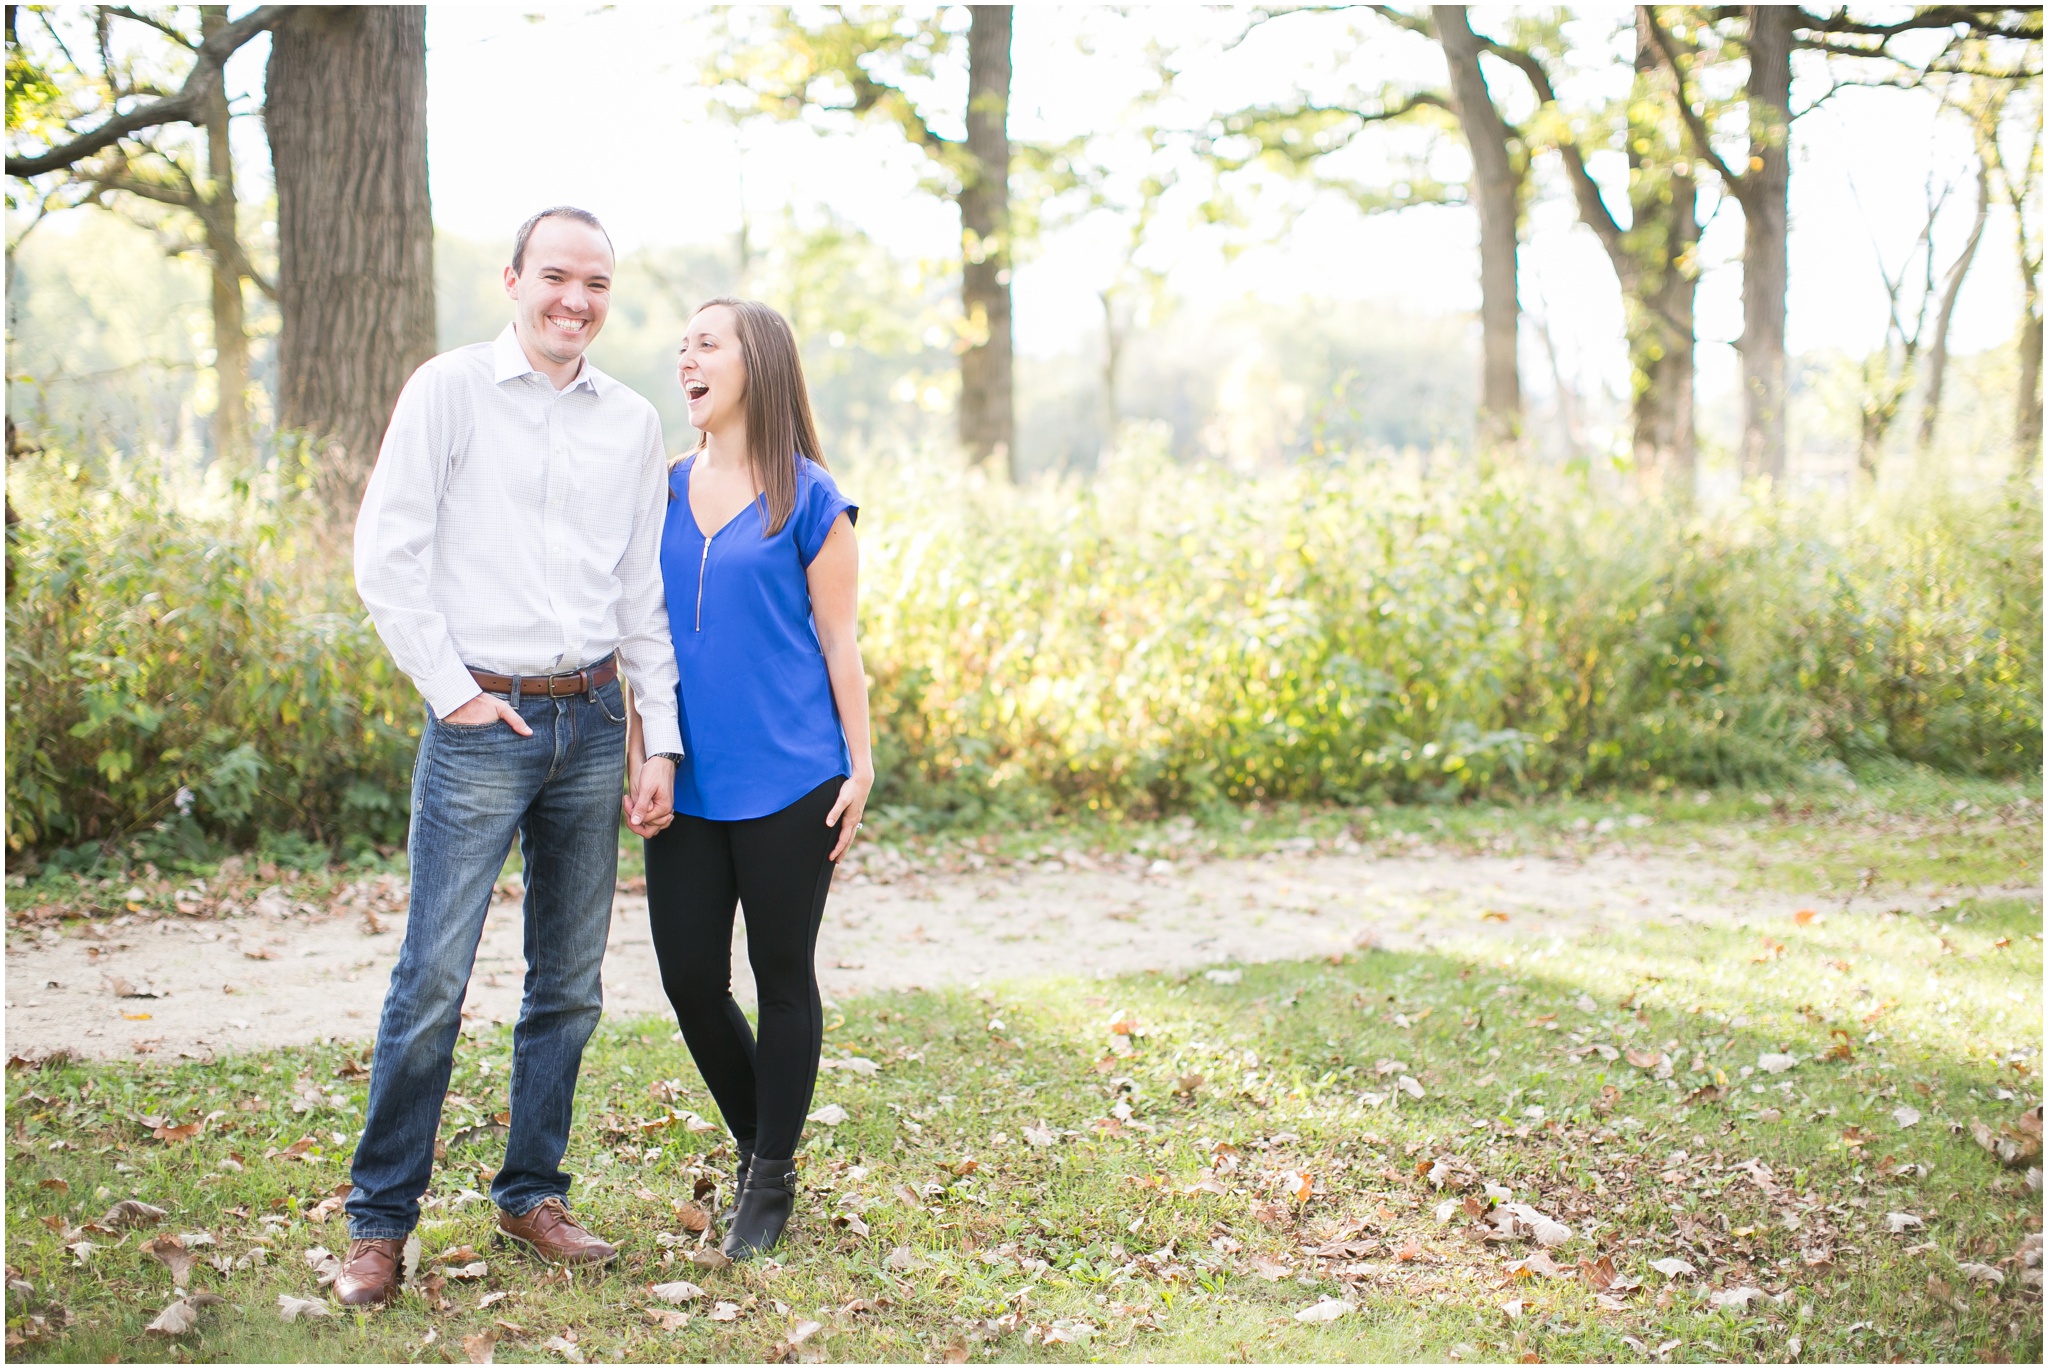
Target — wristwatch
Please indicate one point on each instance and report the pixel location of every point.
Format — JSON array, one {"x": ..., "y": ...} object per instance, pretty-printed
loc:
[{"x": 674, "y": 758}]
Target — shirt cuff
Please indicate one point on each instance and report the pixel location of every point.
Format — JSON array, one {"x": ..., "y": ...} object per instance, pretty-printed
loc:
[
  {"x": 660, "y": 732},
  {"x": 449, "y": 688}
]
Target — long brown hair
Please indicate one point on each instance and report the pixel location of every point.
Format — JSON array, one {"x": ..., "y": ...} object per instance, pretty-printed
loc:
[{"x": 778, "y": 404}]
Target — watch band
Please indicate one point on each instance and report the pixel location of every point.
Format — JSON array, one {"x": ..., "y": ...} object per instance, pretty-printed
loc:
[{"x": 674, "y": 758}]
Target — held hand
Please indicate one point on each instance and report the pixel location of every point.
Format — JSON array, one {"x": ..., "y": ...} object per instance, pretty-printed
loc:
[
  {"x": 485, "y": 708},
  {"x": 853, "y": 801},
  {"x": 650, "y": 806}
]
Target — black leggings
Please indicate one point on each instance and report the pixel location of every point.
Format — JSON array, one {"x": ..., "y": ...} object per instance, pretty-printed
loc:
[{"x": 778, "y": 867}]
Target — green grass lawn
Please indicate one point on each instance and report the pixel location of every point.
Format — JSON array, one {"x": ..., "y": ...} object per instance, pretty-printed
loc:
[{"x": 1173, "y": 1168}]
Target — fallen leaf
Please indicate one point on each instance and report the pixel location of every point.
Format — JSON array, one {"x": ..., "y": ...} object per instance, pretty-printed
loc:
[
  {"x": 1269, "y": 1268},
  {"x": 803, "y": 1331},
  {"x": 1906, "y": 1116},
  {"x": 1898, "y": 1223},
  {"x": 1039, "y": 1136},
  {"x": 323, "y": 1262},
  {"x": 1493, "y": 915},
  {"x": 901, "y": 1259},
  {"x": 492, "y": 1299},
  {"x": 710, "y": 1257},
  {"x": 850, "y": 1221},
  {"x": 81, "y": 1251},
  {"x": 1645, "y": 1060},
  {"x": 476, "y": 1269},
  {"x": 290, "y": 1308},
  {"x": 1805, "y": 916},
  {"x": 170, "y": 1252},
  {"x": 175, "y": 1320},
  {"x": 1329, "y": 1309},
  {"x": 1776, "y": 1064},
  {"x": 1737, "y": 1298},
  {"x": 1671, "y": 1267},
  {"x": 1300, "y": 1186},
  {"x": 480, "y": 1347},
  {"x": 1983, "y": 1273},
  {"x": 831, "y": 1115},
  {"x": 691, "y": 1217},
  {"x": 130, "y": 1212},
  {"x": 1409, "y": 1251},
  {"x": 726, "y": 1311},
  {"x": 667, "y": 1320},
  {"x": 680, "y": 1291},
  {"x": 563, "y": 1346},
  {"x": 56, "y": 1185},
  {"x": 1539, "y": 1263}
]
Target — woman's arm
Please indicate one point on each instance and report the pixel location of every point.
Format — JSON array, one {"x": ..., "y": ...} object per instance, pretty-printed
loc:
[
  {"x": 834, "y": 578},
  {"x": 636, "y": 756}
]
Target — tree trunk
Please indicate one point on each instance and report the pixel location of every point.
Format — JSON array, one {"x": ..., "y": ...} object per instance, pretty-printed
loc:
[
  {"x": 988, "y": 428},
  {"x": 1496, "y": 194},
  {"x": 1764, "y": 191},
  {"x": 1113, "y": 330},
  {"x": 346, "y": 105},
  {"x": 2027, "y": 431},
  {"x": 218, "y": 213},
  {"x": 1951, "y": 288},
  {"x": 1660, "y": 280}
]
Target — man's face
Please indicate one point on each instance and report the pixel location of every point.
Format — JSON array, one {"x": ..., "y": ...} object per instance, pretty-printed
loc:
[{"x": 565, "y": 290}]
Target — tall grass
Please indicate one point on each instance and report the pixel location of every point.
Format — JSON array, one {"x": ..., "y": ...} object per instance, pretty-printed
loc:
[{"x": 1157, "y": 638}]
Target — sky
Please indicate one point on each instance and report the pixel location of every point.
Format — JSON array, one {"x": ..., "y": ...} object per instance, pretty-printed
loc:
[{"x": 601, "y": 106}]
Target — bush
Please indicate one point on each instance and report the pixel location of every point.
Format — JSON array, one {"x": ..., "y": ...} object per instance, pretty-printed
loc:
[
  {"x": 173, "y": 669},
  {"x": 1159, "y": 638}
]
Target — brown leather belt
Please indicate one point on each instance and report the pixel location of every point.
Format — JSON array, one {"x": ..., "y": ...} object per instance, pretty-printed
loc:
[{"x": 549, "y": 686}]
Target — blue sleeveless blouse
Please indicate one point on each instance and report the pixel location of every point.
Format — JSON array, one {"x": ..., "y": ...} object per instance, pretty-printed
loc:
[{"x": 760, "y": 727}]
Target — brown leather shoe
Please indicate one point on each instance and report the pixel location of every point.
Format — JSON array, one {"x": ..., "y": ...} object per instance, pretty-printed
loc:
[
  {"x": 370, "y": 1273},
  {"x": 551, "y": 1233}
]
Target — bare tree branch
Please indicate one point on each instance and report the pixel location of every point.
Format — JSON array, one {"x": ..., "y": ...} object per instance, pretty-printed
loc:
[
  {"x": 184, "y": 107},
  {"x": 1982, "y": 21},
  {"x": 169, "y": 31},
  {"x": 1695, "y": 125}
]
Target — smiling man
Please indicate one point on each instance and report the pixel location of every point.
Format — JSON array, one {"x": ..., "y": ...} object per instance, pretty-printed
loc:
[{"x": 508, "y": 552}]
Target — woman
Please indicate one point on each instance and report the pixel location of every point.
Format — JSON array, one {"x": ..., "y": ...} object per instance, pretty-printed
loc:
[{"x": 758, "y": 558}]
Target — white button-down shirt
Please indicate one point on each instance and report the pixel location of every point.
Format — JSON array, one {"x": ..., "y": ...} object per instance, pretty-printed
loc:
[{"x": 516, "y": 529}]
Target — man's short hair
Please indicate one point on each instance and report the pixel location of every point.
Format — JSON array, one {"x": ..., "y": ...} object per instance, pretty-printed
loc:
[{"x": 560, "y": 211}]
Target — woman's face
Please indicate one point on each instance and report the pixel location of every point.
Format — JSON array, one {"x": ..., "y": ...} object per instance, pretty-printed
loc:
[{"x": 713, "y": 377}]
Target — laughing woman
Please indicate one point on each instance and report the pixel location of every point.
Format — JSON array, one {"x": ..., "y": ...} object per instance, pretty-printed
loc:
[{"x": 759, "y": 561}]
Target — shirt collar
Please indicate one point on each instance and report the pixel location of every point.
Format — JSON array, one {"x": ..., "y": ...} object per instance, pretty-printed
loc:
[{"x": 509, "y": 363}]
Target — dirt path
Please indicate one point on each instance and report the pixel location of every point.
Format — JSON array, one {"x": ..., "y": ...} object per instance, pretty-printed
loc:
[{"x": 279, "y": 976}]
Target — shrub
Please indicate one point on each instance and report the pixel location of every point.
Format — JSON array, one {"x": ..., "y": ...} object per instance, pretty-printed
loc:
[
  {"x": 1157, "y": 638},
  {"x": 210, "y": 667}
]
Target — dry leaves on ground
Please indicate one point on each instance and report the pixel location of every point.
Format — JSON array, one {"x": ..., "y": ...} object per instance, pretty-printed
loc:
[{"x": 290, "y": 1308}]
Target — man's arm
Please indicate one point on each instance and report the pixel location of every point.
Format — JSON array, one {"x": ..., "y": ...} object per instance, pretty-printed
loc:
[
  {"x": 645, "y": 649},
  {"x": 394, "y": 533}
]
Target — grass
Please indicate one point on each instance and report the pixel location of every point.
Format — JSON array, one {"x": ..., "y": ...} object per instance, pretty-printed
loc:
[{"x": 1114, "y": 1241}]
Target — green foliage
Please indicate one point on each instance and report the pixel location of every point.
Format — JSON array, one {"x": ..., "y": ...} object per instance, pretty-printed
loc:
[
  {"x": 1163, "y": 638},
  {"x": 1169, "y": 636},
  {"x": 171, "y": 666}
]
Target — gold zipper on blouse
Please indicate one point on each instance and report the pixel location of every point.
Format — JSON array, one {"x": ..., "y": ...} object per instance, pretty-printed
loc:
[{"x": 701, "y": 562}]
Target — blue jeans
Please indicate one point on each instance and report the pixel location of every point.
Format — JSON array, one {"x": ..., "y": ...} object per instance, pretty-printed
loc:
[{"x": 473, "y": 788}]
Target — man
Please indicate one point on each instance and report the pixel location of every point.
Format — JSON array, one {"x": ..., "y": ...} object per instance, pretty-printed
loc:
[{"x": 508, "y": 551}]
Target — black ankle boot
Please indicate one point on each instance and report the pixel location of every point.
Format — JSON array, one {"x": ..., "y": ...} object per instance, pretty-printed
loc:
[
  {"x": 764, "y": 1208},
  {"x": 739, "y": 1184}
]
